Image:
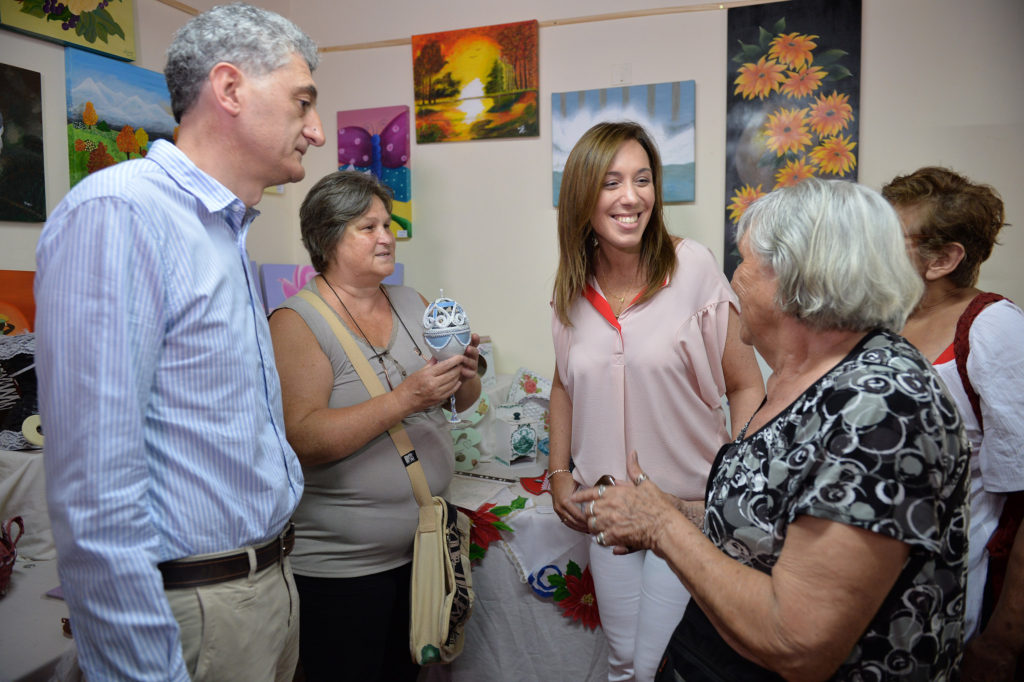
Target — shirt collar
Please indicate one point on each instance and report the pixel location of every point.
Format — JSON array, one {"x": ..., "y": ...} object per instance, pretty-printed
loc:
[{"x": 208, "y": 190}]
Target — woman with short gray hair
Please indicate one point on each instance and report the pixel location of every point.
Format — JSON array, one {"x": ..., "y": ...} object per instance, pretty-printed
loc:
[{"x": 834, "y": 540}]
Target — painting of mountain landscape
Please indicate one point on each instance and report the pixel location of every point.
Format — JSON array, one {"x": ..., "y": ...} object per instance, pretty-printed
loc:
[{"x": 115, "y": 112}]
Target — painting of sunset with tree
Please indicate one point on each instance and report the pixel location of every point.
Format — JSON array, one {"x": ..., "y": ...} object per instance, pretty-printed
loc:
[
  {"x": 476, "y": 83},
  {"x": 793, "y": 103}
]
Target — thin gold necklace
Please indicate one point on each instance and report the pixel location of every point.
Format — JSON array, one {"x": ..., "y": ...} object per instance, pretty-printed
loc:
[
  {"x": 622, "y": 302},
  {"x": 622, "y": 305}
]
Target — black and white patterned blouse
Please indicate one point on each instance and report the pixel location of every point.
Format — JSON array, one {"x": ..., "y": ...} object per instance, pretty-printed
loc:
[{"x": 876, "y": 443}]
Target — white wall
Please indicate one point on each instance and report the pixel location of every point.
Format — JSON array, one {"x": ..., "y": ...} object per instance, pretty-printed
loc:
[{"x": 940, "y": 83}]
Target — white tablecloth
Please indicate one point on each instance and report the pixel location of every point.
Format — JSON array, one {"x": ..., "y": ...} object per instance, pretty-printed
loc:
[
  {"x": 31, "y": 640},
  {"x": 23, "y": 493},
  {"x": 514, "y": 634},
  {"x": 32, "y": 643}
]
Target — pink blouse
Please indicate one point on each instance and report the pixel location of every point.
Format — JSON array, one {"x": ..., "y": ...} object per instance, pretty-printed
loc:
[{"x": 650, "y": 380}]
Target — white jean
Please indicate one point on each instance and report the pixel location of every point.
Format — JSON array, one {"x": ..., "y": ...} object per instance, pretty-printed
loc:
[{"x": 641, "y": 601}]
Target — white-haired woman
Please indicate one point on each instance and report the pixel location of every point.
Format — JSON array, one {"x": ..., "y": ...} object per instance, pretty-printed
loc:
[{"x": 834, "y": 542}]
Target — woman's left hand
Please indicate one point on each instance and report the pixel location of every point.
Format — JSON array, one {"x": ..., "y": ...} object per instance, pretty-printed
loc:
[{"x": 627, "y": 517}]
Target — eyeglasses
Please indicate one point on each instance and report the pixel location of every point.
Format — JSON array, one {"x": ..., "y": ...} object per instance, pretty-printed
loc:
[{"x": 383, "y": 366}]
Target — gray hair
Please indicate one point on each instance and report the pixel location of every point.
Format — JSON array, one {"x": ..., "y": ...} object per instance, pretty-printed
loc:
[
  {"x": 838, "y": 252},
  {"x": 255, "y": 40},
  {"x": 333, "y": 202}
]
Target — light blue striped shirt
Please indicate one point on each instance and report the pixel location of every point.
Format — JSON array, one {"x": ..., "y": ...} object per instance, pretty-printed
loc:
[{"x": 159, "y": 398}]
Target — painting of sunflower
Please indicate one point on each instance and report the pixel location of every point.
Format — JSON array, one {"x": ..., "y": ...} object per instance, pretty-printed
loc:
[{"x": 792, "y": 101}]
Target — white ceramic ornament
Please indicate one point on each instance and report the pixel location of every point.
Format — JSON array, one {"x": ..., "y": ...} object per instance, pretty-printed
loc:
[
  {"x": 446, "y": 328},
  {"x": 447, "y": 334}
]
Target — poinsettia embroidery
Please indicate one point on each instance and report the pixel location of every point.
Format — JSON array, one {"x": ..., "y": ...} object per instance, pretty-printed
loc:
[
  {"x": 486, "y": 524},
  {"x": 575, "y": 595}
]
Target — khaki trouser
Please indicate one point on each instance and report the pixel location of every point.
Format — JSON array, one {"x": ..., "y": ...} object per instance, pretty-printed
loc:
[{"x": 245, "y": 629}]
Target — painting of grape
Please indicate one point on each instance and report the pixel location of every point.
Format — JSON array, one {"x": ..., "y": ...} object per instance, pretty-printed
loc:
[
  {"x": 476, "y": 83},
  {"x": 105, "y": 26},
  {"x": 115, "y": 111}
]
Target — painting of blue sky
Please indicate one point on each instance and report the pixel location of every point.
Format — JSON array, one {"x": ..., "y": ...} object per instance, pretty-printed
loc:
[{"x": 666, "y": 110}]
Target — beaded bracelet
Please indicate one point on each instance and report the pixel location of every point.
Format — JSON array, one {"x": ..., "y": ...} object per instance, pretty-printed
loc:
[{"x": 558, "y": 471}]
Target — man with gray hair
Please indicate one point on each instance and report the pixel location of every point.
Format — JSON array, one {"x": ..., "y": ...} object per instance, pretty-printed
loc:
[{"x": 169, "y": 479}]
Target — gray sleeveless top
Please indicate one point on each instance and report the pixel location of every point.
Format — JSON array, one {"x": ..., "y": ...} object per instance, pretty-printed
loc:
[{"x": 357, "y": 515}]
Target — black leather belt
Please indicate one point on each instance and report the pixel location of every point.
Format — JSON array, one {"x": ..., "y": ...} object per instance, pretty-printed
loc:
[{"x": 198, "y": 572}]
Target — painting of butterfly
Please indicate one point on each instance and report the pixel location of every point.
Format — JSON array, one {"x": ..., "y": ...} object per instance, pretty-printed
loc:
[{"x": 377, "y": 141}]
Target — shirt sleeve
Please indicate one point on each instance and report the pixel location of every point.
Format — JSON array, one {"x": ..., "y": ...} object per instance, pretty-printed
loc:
[
  {"x": 701, "y": 338},
  {"x": 561, "y": 337},
  {"x": 995, "y": 366},
  {"x": 99, "y": 333},
  {"x": 879, "y": 453}
]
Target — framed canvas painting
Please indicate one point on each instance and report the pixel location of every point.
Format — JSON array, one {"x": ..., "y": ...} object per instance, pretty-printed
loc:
[
  {"x": 377, "y": 141},
  {"x": 105, "y": 26},
  {"x": 476, "y": 83},
  {"x": 22, "y": 183},
  {"x": 115, "y": 111},
  {"x": 665, "y": 110},
  {"x": 793, "y": 100}
]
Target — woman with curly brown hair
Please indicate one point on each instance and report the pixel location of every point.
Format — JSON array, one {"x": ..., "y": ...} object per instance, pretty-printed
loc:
[{"x": 974, "y": 340}]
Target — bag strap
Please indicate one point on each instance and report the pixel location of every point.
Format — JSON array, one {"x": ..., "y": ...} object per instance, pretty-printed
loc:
[
  {"x": 962, "y": 346},
  {"x": 399, "y": 438}
]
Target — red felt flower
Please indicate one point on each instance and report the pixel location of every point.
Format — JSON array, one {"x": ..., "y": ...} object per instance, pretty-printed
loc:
[
  {"x": 581, "y": 601},
  {"x": 486, "y": 523},
  {"x": 484, "y": 531}
]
